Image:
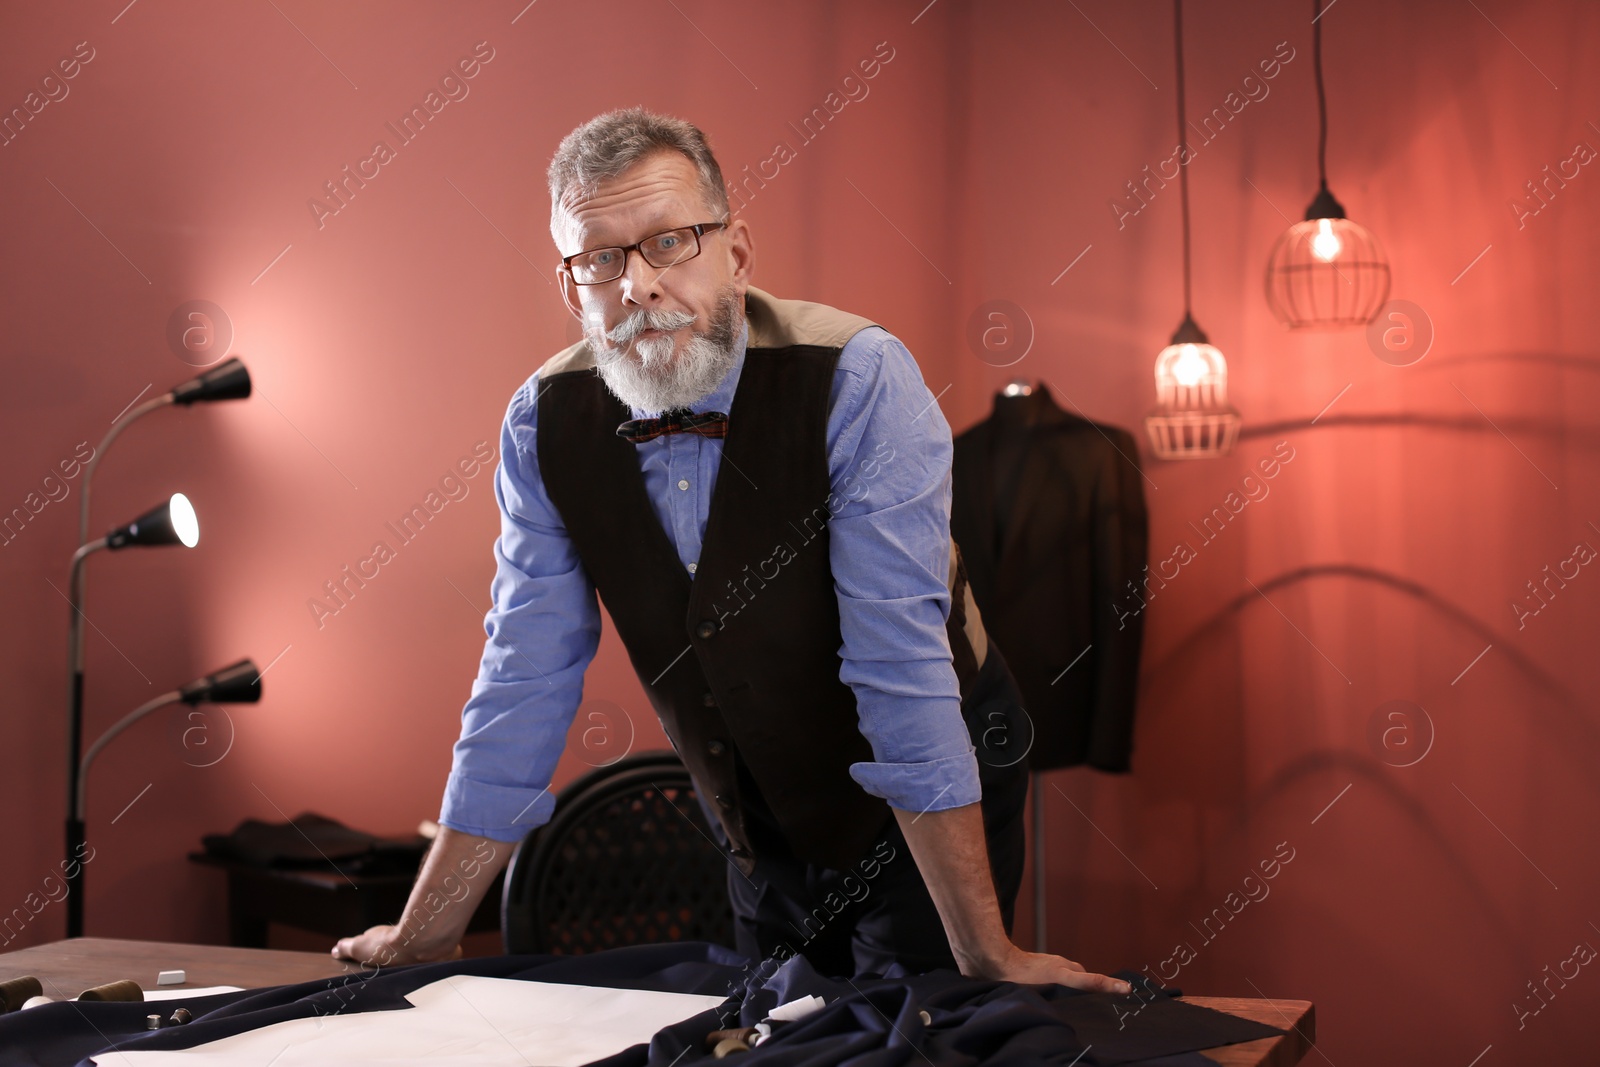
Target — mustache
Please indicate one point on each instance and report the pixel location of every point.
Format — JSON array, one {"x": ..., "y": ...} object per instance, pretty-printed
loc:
[{"x": 632, "y": 326}]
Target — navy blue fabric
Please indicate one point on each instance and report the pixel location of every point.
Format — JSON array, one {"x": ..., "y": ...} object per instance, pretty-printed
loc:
[{"x": 869, "y": 1021}]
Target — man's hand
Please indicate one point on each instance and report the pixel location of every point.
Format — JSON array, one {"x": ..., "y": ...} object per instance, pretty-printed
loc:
[
  {"x": 455, "y": 876},
  {"x": 953, "y": 856},
  {"x": 386, "y": 946},
  {"x": 1039, "y": 968}
]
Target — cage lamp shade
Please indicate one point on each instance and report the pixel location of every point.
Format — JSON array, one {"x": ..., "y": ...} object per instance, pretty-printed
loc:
[
  {"x": 172, "y": 522},
  {"x": 1192, "y": 419},
  {"x": 1327, "y": 272}
]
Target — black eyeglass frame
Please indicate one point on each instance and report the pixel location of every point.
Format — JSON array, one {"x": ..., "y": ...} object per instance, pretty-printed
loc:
[{"x": 699, "y": 230}]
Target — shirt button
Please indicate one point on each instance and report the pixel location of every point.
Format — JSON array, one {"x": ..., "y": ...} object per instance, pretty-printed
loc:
[
  {"x": 709, "y": 699},
  {"x": 693, "y": 567},
  {"x": 683, "y": 483},
  {"x": 706, "y": 629},
  {"x": 715, "y": 747}
]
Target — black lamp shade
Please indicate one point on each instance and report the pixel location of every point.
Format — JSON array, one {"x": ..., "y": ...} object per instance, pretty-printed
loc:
[
  {"x": 1324, "y": 206},
  {"x": 226, "y": 381},
  {"x": 170, "y": 523},
  {"x": 238, "y": 684}
]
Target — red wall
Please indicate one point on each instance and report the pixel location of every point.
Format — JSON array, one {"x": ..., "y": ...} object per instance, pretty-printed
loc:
[{"x": 983, "y": 158}]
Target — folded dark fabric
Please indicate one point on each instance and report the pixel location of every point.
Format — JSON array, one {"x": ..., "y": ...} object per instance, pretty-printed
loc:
[
  {"x": 869, "y": 1021},
  {"x": 315, "y": 842}
]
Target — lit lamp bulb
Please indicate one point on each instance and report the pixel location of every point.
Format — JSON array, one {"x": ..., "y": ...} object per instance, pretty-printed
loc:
[
  {"x": 1326, "y": 244},
  {"x": 1326, "y": 271},
  {"x": 1193, "y": 419},
  {"x": 1190, "y": 366},
  {"x": 185, "y": 523}
]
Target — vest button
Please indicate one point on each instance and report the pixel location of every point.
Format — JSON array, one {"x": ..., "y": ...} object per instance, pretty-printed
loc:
[
  {"x": 710, "y": 699},
  {"x": 706, "y": 629},
  {"x": 725, "y": 800},
  {"x": 739, "y": 853},
  {"x": 715, "y": 747}
]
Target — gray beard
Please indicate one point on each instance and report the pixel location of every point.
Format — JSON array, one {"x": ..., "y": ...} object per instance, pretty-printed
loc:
[{"x": 650, "y": 379}]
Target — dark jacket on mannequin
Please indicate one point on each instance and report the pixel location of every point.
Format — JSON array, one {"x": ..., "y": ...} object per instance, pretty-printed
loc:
[{"x": 1049, "y": 510}]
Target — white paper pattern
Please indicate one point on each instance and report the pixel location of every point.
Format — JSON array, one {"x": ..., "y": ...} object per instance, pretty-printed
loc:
[{"x": 463, "y": 1019}]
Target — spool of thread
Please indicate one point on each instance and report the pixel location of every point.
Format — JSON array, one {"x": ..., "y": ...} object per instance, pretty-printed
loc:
[
  {"x": 34, "y": 1002},
  {"x": 742, "y": 1033},
  {"x": 126, "y": 989},
  {"x": 17, "y": 992}
]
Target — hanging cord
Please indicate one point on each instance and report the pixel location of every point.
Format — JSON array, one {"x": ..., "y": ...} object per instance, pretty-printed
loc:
[
  {"x": 1322, "y": 96},
  {"x": 1183, "y": 170}
]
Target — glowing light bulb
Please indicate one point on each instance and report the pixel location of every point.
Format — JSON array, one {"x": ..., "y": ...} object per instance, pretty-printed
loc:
[
  {"x": 184, "y": 521},
  {"x": 1326, "y": 244},
  {"x": 1190, "y": 366}
]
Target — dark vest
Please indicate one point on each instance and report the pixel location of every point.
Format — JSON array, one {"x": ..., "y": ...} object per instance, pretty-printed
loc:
[{"x": 741, "y": 659}]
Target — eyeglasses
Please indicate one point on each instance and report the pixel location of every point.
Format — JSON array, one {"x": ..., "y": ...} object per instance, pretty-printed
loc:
[{"x": 666, "y": 249}]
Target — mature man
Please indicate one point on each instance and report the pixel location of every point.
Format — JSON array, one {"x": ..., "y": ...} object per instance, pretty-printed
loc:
[{"x": 778, "y": 563}]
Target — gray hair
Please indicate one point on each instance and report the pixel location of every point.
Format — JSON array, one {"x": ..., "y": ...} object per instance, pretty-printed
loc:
[{"x": 607, "y": 145}]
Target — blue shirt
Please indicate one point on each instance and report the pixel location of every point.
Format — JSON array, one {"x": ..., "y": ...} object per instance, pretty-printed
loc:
[{"x": 889, "y": 455}]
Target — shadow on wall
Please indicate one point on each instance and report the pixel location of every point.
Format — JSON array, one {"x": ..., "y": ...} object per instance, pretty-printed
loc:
[
  {"x": 1474, "y": 424},
  {"x": 1318, "y": 767},
  {"x": 1191, "y": 645},
  {"x": 1587, "y": 364}
]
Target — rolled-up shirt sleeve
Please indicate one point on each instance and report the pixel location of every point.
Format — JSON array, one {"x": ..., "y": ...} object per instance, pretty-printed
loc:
[
  {"x": 889, "y": 546},
  {"x": 543, "y": 628}
]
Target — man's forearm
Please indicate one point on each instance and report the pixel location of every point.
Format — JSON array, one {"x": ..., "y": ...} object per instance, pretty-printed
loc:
[
  {"x": 454, "y": 877},
  {"x": 953, "y": 856}
]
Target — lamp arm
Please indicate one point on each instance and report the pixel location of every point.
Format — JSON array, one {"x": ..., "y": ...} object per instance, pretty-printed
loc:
[
  {"x": 75, "y": 781},
  {"x": 94, "y": 461},
  {"x": 75, "y": 599},
  {"x": 106, "y": 738},
  {"x": 85, "y": 549}
]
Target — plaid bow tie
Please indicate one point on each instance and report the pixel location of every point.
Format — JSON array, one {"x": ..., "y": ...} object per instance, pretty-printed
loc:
[{"x": 706, "y": 424}]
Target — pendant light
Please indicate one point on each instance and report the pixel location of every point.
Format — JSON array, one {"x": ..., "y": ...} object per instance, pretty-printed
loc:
[
  {"x": 1326, "y": 272},
  {"x": 1192, "y": 419}
]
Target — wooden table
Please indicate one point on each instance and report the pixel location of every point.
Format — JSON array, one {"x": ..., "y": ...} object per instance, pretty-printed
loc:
[
  {"x": 84, "y": 962},
  {"x": 77, "y": 964},
  {"x": 1296, "y": 1016}
]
